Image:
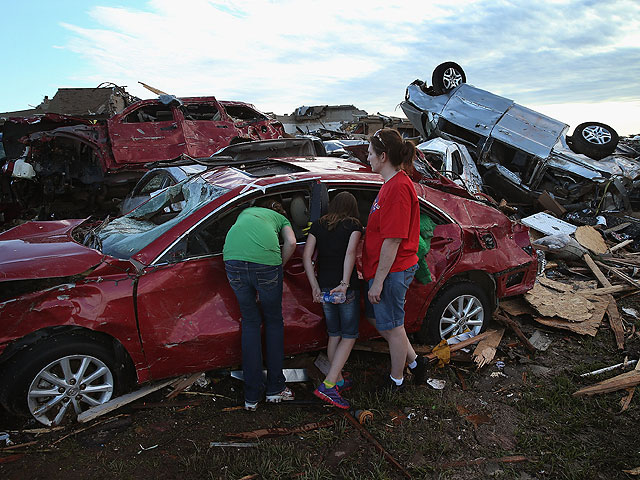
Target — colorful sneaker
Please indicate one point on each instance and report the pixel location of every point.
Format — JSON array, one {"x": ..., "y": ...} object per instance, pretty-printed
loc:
[
  {"x": 348, "y": 383},
  {"x": 285, "y": 395},
  {"x": 331, "y": 395},
  {"x": 250, "y": 406},
  {"x": 420, "y": 371}
]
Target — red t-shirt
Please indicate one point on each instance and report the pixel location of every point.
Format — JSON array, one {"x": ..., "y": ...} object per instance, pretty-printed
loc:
[{"x": 395, "y": 213}]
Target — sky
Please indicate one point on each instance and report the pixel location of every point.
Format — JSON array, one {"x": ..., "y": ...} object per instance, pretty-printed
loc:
[{"x": 575, "y": 61}]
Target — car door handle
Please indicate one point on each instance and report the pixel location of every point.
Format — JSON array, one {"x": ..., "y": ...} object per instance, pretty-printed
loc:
[{"x": 170, "y": 127}]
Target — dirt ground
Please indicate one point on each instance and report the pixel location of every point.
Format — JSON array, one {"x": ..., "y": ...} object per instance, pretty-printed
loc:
[{"x": 513, "y": 421}]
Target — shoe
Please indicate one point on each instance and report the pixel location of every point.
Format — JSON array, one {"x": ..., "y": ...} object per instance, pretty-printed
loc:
[
  {"x": 348, "y": 383},
  {"x": 250, "y": 406},
  {"x": 285, "y": 395},
  {"x": 331, "y": 395},
  {"x": 419, "y": 373},
  {"x": 389, "y": 385}
]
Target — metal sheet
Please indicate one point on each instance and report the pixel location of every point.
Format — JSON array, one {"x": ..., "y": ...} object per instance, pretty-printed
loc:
[
  {"x": 548, "y": 224},
  {"x": 527, "y": 130}
]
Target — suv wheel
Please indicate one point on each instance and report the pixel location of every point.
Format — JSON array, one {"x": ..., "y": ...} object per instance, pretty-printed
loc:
[
  {"x": 447, "y": 76},
  {"x": 595, "y": 140}
]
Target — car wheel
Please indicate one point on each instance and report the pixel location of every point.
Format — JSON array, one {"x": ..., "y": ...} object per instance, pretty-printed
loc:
[
  {"x": 459, "y": 308},
  {"x": 59, "y": 378},
  {"x": 447, "y": 76},
  {"x": 595, "y": 140}
]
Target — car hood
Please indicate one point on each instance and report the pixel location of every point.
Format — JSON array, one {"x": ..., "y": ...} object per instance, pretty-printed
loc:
[{"x": 43, "y": 250}]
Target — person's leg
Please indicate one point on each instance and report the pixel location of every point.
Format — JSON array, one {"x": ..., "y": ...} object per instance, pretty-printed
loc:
[
  {"x": 332, "y": 319},
  {"x": 269, "y": 285},
  {"x": 239, "y": 279},
  {"x": 340, "y": 357},
  {"x": 398, "y": 341}
]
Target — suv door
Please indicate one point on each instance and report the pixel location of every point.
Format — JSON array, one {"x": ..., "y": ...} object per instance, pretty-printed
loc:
[{"x": 145, "y": 133}]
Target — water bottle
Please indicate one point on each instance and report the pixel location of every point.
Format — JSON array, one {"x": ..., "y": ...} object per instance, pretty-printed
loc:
[{"x": 337, "y": 297}]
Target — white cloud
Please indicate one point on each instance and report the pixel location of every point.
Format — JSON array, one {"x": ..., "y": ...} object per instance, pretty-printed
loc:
[{"x": 282, "y": 54}]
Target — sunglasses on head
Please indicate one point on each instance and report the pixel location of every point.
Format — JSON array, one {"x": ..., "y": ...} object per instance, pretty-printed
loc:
[{"x": 377, "y": 135}]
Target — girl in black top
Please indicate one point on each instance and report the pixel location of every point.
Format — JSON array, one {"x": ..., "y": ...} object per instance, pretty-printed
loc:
[{"x": 336, "y": 236}]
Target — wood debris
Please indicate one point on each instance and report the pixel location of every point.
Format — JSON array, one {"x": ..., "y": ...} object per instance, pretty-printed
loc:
[
  {"x": 551, "y": 303},
  {"x": 586, "y": 327},
  {"x": 280, "y": 431},
  {"x": 486, "y": 349},
  {"x": 615, "y": 321},
  {"x": 505, "y": 320},
  {"x": 179, "y": 386},
  {"x": 591, "y": 239},
  {"x": 596, "y": 271},
  {"x": 620, "y": 382}
]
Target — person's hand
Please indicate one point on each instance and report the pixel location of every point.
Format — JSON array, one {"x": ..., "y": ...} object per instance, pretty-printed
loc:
[
  {"x": 374, "y": 292},
  {"x": 340, "y": 288},
  {"x": 317, "y": 295}
]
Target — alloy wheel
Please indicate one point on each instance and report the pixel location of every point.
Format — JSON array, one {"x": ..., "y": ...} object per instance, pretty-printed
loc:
[
  {"x": 69, "y": 384},
  {"x": 463, "y": 313}
]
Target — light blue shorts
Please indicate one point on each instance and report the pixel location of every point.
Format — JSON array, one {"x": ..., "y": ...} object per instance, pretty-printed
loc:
[{"x": 389, "y": 313}]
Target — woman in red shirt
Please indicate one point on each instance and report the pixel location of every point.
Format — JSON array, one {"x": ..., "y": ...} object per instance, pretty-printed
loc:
[{"x": 390, "y": 250}]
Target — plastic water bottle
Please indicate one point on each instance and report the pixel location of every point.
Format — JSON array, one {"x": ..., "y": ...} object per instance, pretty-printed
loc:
[{"x": 337, "y": 297}]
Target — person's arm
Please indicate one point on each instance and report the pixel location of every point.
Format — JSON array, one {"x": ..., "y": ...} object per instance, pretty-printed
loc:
[
  {"x": 289, "y": 243},
  {"x": 388, "y": 253},
  {"x": 349, "y": 262},
  {"x": 309, "y": 248}
]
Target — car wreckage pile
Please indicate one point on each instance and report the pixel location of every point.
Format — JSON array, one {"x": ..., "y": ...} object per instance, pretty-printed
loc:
[{"x": 162, "y": 181}]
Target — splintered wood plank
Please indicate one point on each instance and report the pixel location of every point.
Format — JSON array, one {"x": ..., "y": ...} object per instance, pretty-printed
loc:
[
  {"x": 486, "y": 349},
  {"x": 620, "y": 382},
  {"x": 181, "y": 384},
  {"x": 596, "y": 271},
  {"x": 615, "y": 321},
  {"x": 118, "y": 402},
  {"x": 513, "y": 325},
  {"x": 620, "y": 245},
  {"x": 618, "y": 273}
]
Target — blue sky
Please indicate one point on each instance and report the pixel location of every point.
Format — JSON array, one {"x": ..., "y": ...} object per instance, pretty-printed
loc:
[{"x": 573, "y": 60}]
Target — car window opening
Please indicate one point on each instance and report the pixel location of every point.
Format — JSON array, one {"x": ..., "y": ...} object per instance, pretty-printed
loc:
[{"x": 150, "y": 113}]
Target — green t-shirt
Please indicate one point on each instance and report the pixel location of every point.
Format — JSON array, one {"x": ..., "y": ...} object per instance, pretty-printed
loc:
[{"x": 255, "y": 237}]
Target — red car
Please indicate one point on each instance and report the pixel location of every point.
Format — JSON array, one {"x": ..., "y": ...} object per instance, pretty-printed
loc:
[
  {"x": 88, "y": 309},
  {"x": 76, "y": 167}
]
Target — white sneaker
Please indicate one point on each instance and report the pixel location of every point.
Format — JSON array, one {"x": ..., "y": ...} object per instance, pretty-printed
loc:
[
  {"x": 285, "y": 395},
  {"x": 250, "y": 406}
]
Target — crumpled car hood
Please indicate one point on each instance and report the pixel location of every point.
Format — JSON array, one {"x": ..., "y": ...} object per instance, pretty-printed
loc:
[{"x": 43, "y": 250}]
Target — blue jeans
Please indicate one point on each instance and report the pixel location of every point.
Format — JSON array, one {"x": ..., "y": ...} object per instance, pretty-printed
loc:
[
  {"x": 247, "y": 280},
  {"x": 389, "y": 313},
  {"x": 342, "y": 319}
]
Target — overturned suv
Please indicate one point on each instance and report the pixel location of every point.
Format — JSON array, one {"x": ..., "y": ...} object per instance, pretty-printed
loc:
[{"x": 521, "y": 153}]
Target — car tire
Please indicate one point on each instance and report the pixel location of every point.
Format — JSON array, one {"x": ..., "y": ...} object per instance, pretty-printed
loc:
[
  {"x": 595, "y": 140},
  {"x": 83, "y": 370},
  {"x": 446, "y": 315},
  {"x": 446, "y": 77}
]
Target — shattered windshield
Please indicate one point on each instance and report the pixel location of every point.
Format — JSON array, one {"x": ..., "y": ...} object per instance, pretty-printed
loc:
[{"x": 125, "y": 236}]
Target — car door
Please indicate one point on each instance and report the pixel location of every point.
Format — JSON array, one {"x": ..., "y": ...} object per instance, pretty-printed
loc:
[
  {"x": 188, "y": 315},
  {"x": 145, "y": 133}
]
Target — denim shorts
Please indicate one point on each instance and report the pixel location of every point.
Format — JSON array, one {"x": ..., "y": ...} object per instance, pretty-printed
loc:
[
  {"x": 389, "y": 313},
  {"x": 343, "y": 318}
]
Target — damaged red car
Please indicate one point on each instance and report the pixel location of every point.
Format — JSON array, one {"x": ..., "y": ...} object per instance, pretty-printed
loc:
[
  {"x": 75, "y": 166},
  {"x": 89, "y": 310}
]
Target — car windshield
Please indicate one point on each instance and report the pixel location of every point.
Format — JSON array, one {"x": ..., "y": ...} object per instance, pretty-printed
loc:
[{"x": 125, "y": 236}]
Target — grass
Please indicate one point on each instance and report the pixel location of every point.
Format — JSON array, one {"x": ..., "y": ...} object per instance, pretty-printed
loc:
[{"x": 564, "y": 437}]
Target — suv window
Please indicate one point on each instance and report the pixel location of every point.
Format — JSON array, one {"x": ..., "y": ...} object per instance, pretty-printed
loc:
[
  {"x": 150, "y": 113},
  {"x": 200, "y": 112}
]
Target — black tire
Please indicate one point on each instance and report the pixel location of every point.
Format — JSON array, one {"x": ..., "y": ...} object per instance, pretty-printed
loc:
[
  {"x": 595, "y": 140},
  {"x": 20, "y": 373},
  {"x": 439, "y": 316},
  {"x": 447, "y": 76}
]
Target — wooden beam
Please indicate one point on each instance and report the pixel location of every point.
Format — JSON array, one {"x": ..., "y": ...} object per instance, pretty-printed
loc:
[
  {"x": 617, "y": 228},
  {"x": 621, "y": 245},
  {"x": 620, "y": 274},
  {"x": 596, "y": 271},
  {"x": 513, "y": 325},
  {"x": 620, "y": 382}
]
